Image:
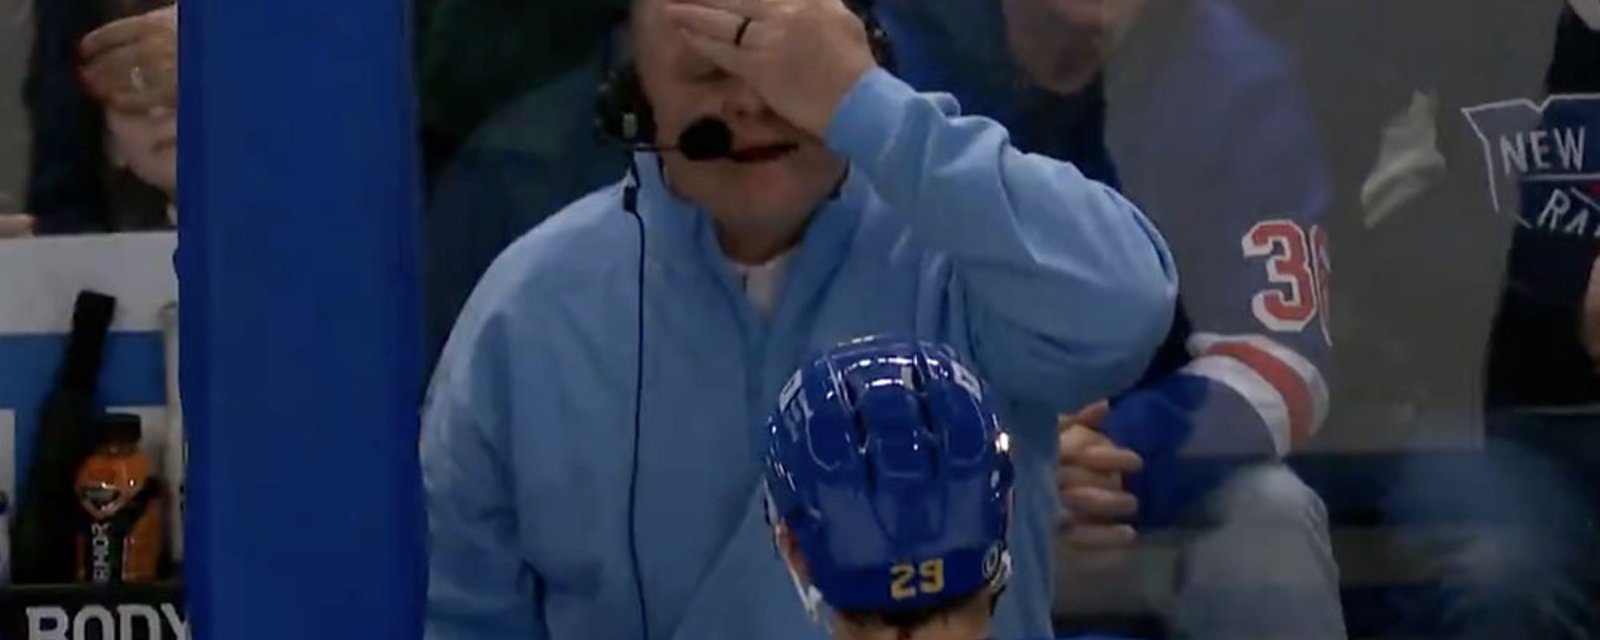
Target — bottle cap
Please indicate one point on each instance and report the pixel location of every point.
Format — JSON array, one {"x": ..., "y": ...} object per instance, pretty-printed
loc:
[{"x": 120, "y": 428}]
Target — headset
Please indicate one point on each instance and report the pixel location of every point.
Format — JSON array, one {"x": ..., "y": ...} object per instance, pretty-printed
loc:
[{"x": 622, "y": 114}]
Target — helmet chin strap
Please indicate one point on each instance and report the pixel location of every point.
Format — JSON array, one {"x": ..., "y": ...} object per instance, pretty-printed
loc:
[{"x": 810, "y": 597}]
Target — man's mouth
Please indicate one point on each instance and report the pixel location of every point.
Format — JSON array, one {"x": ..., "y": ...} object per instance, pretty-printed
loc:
[{"x": 762, "y": 153}]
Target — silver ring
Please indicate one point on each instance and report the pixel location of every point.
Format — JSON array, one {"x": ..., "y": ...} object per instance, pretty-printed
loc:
[
  {"x": 136, "y": 79},
  {"x": 738, "y": 38}
]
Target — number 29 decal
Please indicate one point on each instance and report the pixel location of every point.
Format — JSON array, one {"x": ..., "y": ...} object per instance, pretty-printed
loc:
[
  {"x": 909, "y": 580},
  {"x": 1297, "y": 263}
]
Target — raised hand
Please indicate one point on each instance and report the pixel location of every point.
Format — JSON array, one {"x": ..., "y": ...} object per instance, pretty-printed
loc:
[
  {"x": 800, "y": 56},
  {"x": 132, "y": 64}
]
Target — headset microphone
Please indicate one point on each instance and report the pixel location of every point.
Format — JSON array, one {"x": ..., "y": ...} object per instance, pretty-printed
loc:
[{"x": 707, "y": 138}]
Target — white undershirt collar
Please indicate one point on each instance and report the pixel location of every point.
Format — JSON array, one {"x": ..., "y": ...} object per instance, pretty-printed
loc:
[{"x": 761, "y": 282}]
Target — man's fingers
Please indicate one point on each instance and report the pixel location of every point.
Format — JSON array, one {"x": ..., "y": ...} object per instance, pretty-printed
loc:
[
  {"x": 140, "y": 102},
  {"x": 1091, "y": 15},
  {"x": 711, "y": 23},
  {"x": 1091, "y": 504},
  {"x": 116, "y": 34},
  {"x": 1100, "y": 537},
  {"x": 14, "y": 225},
  {"x": 1105, "y": 457},
  {"x": 751, "y": 8},
  {"x": 111, "y": 72},
  {"x": 722, "y": 54},
  {"x": 1092, "y": 415},
  {"x": 1089, "y": 417},
  {"x": 1075, "y": 439},
  {"x": 1081, "y": 446},
  {"x": 1073, "y": 476}
]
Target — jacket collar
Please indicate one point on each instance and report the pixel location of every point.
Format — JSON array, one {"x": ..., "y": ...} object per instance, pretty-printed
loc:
[{"x": 678, "y": 229}]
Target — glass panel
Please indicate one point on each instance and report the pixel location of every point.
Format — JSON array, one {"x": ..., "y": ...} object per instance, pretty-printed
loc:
[{"x": 1328, "y": 265}]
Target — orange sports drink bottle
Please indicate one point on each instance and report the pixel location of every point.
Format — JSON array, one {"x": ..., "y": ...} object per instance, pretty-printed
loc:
[{"x": 120, "y": 539}]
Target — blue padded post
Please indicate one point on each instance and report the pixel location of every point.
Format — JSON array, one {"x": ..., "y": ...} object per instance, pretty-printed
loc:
[{"x": 298, "y": 277}]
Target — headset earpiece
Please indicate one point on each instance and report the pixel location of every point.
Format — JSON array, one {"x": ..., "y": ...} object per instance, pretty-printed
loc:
[
  {"x": 621, "y": 111},
  {"x": 877, "y": 38}
]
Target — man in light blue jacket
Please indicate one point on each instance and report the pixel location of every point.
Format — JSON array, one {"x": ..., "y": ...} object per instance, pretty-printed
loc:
[{"x": 592, "y": 441}]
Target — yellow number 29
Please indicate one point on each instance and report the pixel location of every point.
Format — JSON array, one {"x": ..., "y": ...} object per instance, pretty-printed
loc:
[{"x": 905, "y": 582}]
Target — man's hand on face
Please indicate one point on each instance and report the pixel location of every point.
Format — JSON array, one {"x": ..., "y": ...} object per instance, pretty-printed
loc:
[
  {"x": 800, "y": 56},
  {"x": 1089, "y": 478}
]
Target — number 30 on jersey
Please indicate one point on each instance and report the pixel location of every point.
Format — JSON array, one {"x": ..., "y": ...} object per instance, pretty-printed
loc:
[{"x": 1297, "y": 266}]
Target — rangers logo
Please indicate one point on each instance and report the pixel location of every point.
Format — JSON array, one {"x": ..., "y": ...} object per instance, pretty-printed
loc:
[{"x": 1540, "y": 167}]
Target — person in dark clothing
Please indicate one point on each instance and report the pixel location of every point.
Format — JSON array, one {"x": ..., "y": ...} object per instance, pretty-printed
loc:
[
  {"x": 73, "y": 184},
  {"x": 1500, "y": 242},
  {"x": 1543, "y": 396},
  {"x": 475, "y": 58},
  {"x": 1538, "y": 360}
]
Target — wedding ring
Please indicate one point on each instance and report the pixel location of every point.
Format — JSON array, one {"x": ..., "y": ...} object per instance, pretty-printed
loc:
[
  {"x": 136, "y": 79},
  {"x": 738, "y": 38}
]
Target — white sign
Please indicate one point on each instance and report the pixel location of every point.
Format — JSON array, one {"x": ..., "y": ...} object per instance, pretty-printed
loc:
[{"x": 40, "y": 279}]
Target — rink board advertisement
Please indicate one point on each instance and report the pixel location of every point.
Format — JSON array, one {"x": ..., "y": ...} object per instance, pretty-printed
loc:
[
  {"x": 146, "y": 612},
  {"x": 39, "y": 282}
]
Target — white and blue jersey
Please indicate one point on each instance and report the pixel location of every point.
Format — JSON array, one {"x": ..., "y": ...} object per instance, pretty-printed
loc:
[{"x": 1214, "y": 138}]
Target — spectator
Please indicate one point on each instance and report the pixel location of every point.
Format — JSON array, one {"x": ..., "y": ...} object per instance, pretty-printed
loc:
[
  {"x": 1213, "y": 135},
  {"x": 73, "y": 184},
  {"x": 958, "y": 47},
  {"x": 524, "y": 163},
  {"x": 1525, "y": 565},
  {"x": 477, "y": 58}
]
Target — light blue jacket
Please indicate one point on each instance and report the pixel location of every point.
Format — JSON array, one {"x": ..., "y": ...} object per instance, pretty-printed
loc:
[{"x": 1053, "y": 287}]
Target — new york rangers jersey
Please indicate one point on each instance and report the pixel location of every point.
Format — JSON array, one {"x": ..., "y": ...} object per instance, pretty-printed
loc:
[{"x": 1211, "y": 136}]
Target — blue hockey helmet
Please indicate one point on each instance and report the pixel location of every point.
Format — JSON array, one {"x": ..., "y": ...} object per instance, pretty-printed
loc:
[{"x": 888, "y": 468}]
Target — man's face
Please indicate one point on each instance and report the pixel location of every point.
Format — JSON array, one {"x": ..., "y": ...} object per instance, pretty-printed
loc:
[
  {"x": 1062, "y": 44},
  {"x": 777, "y": 171}
]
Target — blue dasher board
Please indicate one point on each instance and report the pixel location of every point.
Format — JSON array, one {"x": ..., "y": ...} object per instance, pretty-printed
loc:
[{"x": 297, "y": 271}]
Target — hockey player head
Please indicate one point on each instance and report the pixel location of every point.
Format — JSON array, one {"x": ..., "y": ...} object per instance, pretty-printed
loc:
[{"x": 888, "y": 484}]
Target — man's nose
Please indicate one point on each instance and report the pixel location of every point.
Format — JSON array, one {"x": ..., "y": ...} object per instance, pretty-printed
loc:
[{"x": 742, "y": 101}]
